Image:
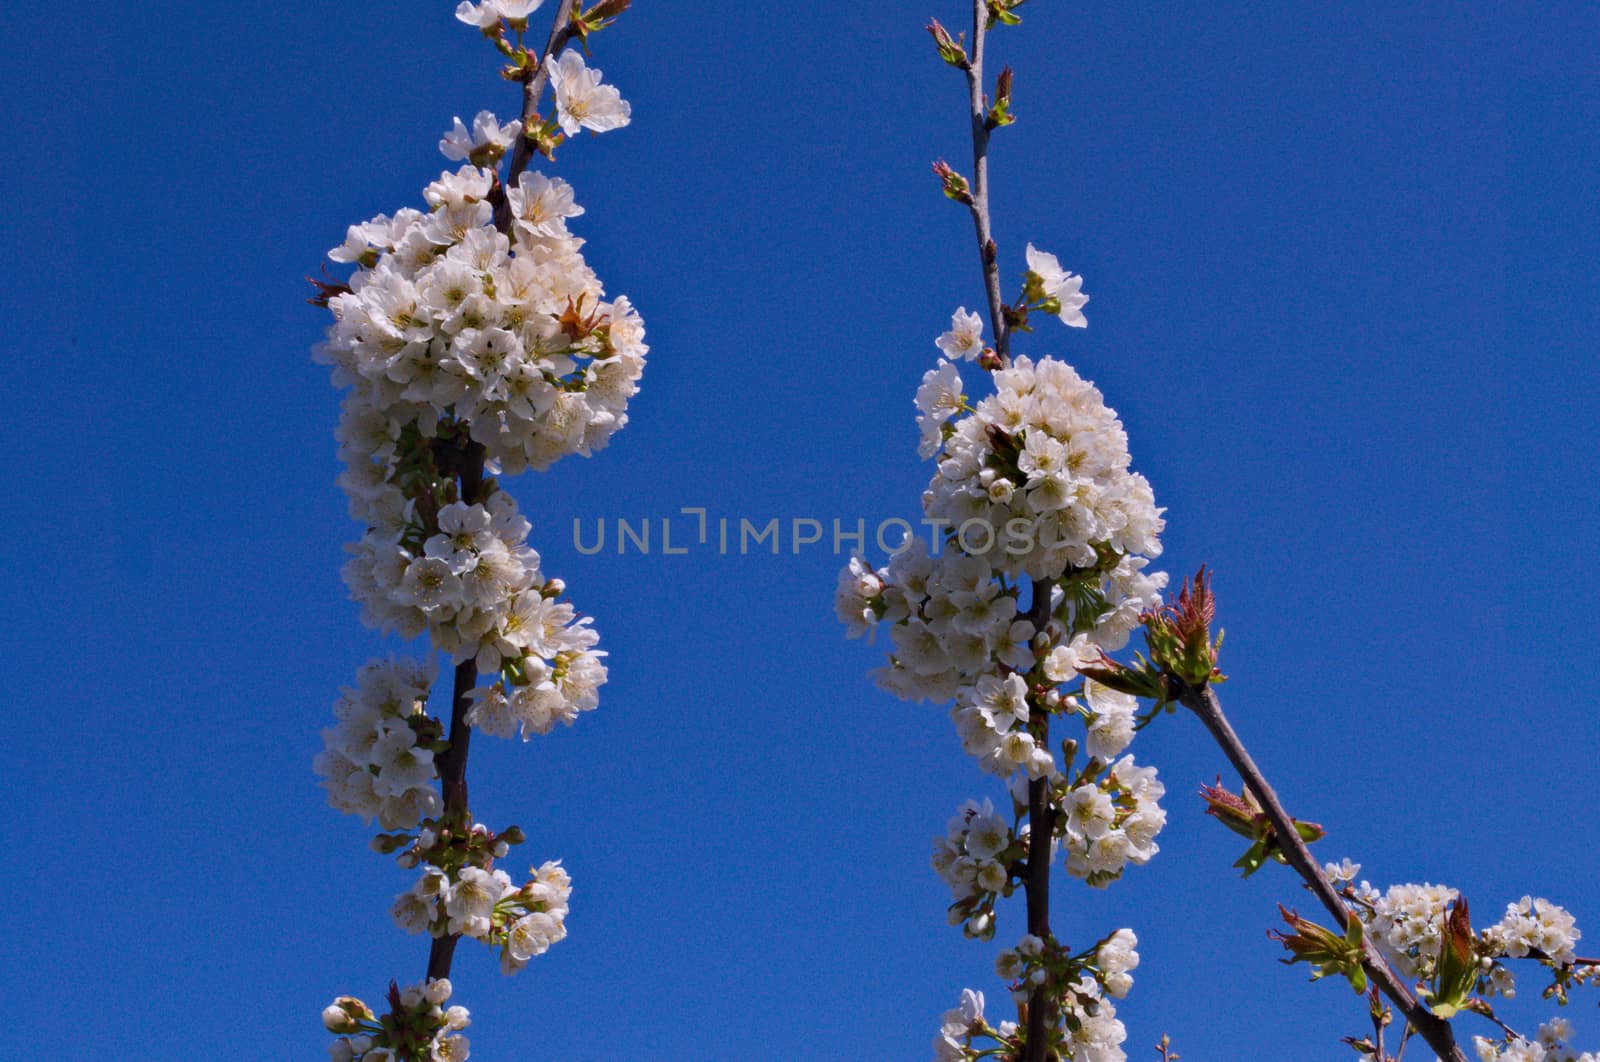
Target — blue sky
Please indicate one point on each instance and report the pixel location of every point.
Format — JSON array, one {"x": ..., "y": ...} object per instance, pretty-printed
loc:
[{"x": 1341, "y": 264}]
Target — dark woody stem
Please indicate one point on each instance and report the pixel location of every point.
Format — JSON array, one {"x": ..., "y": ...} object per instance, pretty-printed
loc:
[
  {"x": 1041, "y": 830},
  {"x": 453, "y": 762},
  {"x": 1435, "y": 1031},
  {"x": 979, "y": 205}
]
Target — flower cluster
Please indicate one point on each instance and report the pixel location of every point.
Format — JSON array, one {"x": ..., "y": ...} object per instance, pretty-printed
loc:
[
  {"x": 975, "y": 859},
  {"x": 992, "y": 718},
  {"x": 449, "y": 320},
  {"x": 1042, "y": 464},
  {"x": 1407, "y": 922},
  {"x": 378, "y": 761},
  {"x": 1110, "y": 820},
  {"x": 482, "y": 903},
  {"x": 1550, "y": 1045},
  {"x": 954, "y": 620},
  {"x": 475, "y": 342},
  {"x": 1534, "y": 927},
  {"x": 417, "y": 1028},
  {"x": 454, "y": 337},
  {"x": 1032, "y": 482},
  {"x": 1077, "y": 985},
  {"x": 1038, "y": 570}
]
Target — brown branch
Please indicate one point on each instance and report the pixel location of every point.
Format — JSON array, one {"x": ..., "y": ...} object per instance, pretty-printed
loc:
[
  {"x": 1434, "y": 1030},
  {"x": 979, "y": 204},
  {"x": 453, "y": 762},
  {"x": 1041, "y": 830}
]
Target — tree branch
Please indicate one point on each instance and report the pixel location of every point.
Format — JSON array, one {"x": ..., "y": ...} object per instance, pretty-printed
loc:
[
  {"x": 979, "y": 206},
  {"x": 1434, "y": 1030},
  {"x": 1041, "y": 830},
  {"x": 453, "y": 763}
]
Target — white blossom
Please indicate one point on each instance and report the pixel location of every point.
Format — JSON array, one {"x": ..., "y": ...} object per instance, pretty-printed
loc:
[
  {"x": 964, "y": 340},
  {"x": 582, "y": 102},
  {"x": 461, "y": 143},
  {"x": 1059, "y": 284}
]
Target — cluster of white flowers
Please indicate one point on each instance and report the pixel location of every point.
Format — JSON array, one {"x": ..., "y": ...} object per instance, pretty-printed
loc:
[
  {"x": 1116, "y": 959},
  {"x": 1034, "y": 481},
  {"x": 1534, "y": 925},
  {"x": 991, "y": 719},
  {"x": 450, "y": 320},
  {"x": 1033, "y": 494},
  {"x": 1044, "y": 464},
  {"x": 475, "y": 342},
  {"x": 1112, "y": 821},
  {"x": 1407, "y": 921},
  {"x": 378, "y": 761},
  {"x": 452, "y": 333},
  {"x": 969, "y": 857},
  {"x": 953, "y": 620},
  {"x": 974, "y": 858},
  {"x": 417, "y": 1022},
  {"x": 482, "y": 903},
  {"x": 475, "y": 587},
  {"x": 1550, "y": 1045},
  {"x": 1094, "y": 1033}
]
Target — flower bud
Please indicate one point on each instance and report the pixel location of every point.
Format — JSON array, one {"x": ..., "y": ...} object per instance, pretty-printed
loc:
[{"x": 345, "y": 1014}]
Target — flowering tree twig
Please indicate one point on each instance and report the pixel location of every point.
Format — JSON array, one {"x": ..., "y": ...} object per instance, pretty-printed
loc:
[
  {"x": 473, "y": 337},
  {"x": 1202, "y": 700},
  {"x": 453, "y": 762},
  {"x": 979, "y": 203},
  {"x": 535, "y": 77}
]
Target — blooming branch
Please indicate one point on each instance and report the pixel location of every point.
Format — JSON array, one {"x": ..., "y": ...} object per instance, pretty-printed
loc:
[{"x": 476, "y": 342}]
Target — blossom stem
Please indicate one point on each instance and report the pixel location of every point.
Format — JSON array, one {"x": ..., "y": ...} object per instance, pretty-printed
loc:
[
  {"x": 1434, "y": 1030},
  {"x": 1041, "y": 830},
  {"x": 979, "y": 205}
]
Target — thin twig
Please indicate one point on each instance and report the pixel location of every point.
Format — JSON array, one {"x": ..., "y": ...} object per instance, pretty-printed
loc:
[
  {"x": 1405, "y": 1038},
  {"x": 979, "y": 205},
  {"x": 453, "y": 762},
  {"x": 1437, "y": 1032}
]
